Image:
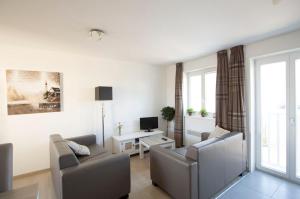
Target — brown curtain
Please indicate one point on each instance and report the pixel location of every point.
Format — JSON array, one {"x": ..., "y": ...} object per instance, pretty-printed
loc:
[
  {"x": 222, "y": 90},
  {"x": 236, "y": 98},
  {"x": 178, "y": 131}
]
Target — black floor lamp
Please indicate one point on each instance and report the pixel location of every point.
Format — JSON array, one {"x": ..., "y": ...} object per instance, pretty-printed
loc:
[{"x": 103, "y": 93}]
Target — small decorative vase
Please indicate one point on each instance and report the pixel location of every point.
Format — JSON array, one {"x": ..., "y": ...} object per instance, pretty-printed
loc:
[{"x": 120, "y": 128}]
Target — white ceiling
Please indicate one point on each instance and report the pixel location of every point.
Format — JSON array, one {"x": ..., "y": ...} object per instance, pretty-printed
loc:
[{"x": 148, "y": 31}]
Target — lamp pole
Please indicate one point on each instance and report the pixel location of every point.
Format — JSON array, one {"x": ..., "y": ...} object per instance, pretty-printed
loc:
[
  {"x": 103, "y": 93},
  {"x": 103, "y": 115}
]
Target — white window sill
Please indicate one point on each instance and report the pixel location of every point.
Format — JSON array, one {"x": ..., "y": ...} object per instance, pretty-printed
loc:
[{"x": 200, "y": 117}]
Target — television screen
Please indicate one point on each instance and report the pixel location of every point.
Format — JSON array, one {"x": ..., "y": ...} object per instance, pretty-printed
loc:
[{"x": 148, "y": 123}]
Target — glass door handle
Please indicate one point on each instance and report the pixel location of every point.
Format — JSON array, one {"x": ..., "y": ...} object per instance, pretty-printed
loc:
[{"x": 292, "y": 121}]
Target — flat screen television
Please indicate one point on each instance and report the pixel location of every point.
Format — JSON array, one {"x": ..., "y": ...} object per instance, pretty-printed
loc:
[{"x": 148, "y": 123}]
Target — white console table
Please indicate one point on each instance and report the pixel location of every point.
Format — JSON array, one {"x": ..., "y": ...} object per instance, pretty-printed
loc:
[{"x": 130, "y": 143}]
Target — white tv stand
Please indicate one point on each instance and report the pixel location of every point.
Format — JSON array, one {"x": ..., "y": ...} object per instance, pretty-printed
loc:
[{"x": 130, "y": 143}]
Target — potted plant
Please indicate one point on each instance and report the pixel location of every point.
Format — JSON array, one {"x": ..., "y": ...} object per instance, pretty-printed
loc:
[
  {"x": 168, "y": 114},
  {"x": 190, "y": 111},
  {"x": 203, "y": 112}
]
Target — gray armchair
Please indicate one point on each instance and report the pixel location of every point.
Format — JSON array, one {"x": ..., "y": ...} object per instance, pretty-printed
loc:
[
  {"x": 199, "y": 171},
  {"x": 6, "y": 167},
  {"x": 99, "y": 175}
]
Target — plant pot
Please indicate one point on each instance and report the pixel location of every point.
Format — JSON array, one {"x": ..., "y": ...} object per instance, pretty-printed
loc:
[{"x": 190, "y": 114}]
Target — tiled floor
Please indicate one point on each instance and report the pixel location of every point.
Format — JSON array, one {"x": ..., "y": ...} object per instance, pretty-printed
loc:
[
  {"x": 256, "y": 185},
  {"x": 259, "y": 185}
]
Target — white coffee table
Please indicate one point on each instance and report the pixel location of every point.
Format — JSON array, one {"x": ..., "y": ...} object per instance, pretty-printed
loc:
[{"x": 147, "y": 142}]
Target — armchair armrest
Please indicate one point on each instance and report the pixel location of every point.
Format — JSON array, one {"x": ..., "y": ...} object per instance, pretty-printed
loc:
[
  {"x": 95, "y": 178},
  {"x": 84, "y": 140},
  {"x": 174, "y": 173}
]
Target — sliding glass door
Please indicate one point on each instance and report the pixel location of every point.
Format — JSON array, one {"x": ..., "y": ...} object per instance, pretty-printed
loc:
[{"x": 278, "y": 115}]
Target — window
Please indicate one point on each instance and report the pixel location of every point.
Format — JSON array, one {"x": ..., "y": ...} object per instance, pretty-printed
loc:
[
  {"x": 210, "y": 92},
  {"x": 195, "y": 92},
  {"x": 202, "y": 90}
]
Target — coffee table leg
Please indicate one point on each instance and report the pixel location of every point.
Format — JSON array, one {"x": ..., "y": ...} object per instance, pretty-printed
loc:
[
  {"x": 141, "y": 148},
  {"x": 173, "y": 145}
]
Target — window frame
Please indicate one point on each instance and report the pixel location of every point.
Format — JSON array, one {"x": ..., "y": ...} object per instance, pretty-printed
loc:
[{"x": 201, "y": 72}]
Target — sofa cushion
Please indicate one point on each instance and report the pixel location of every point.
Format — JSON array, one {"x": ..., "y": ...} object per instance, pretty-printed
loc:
[
  {"x": 96, "y": 152},
  {"x": 79, "y": 149},
  {"x": 218, "y": 132}
]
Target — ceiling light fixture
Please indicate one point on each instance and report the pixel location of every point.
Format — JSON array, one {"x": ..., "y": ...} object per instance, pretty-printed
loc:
[
  {"x": 96, "y": 34},
  {"x": 276, "y": 2}
]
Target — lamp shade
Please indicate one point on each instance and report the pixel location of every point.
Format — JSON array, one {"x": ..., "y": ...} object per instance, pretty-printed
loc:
[{"x": 103, "y": 93}]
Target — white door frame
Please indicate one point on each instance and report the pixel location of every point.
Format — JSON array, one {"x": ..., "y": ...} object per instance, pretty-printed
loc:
[
  {"x": 293, "y": 116},
  {"x": 258, "y": 63},
  {"x": 289, "y": 58}
]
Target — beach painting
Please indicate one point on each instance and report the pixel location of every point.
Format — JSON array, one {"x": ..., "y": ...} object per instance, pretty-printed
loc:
[{"x": 33, "y": 92}]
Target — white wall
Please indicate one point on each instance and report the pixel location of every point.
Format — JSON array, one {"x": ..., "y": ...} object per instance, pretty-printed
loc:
[
  {"x": 138, "y": 91},
  {"x": 278, "y": 44}
]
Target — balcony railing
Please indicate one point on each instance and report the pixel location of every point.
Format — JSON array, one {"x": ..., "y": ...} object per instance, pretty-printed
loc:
[{"x": 273, "y": 140}]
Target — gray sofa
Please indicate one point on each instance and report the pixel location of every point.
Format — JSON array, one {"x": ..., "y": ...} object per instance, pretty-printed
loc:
[
  {"x": 100, "y": 175},
  {"x": 198, "y": 171}
]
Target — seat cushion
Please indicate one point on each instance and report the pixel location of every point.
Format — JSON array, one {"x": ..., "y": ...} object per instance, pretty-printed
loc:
[
  {"x": 218, "y": 132},
  {"x": 96, "y": 152},
  {"x": 180, "y": 151}
]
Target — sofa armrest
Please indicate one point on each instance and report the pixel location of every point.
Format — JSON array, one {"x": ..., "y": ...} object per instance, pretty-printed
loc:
[
  {"x": 84, "y": 140},
  {"x": 96, "y": 178},
  {"x": 6, "y": 167},
  {"x": 174, "y": 173}
]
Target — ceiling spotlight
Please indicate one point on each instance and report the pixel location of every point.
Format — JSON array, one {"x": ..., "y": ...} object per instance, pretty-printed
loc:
[{"x": 96, "y": 34}]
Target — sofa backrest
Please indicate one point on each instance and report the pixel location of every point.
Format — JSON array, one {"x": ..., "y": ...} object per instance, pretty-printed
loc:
[
  {"x": 193, "y": 150},
  {"x": 86, "y": 140},
  {"x": 220, "y": 160}
]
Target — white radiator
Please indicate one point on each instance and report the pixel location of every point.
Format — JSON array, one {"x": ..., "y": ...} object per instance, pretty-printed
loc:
[{"x": 194, "y": 126}]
